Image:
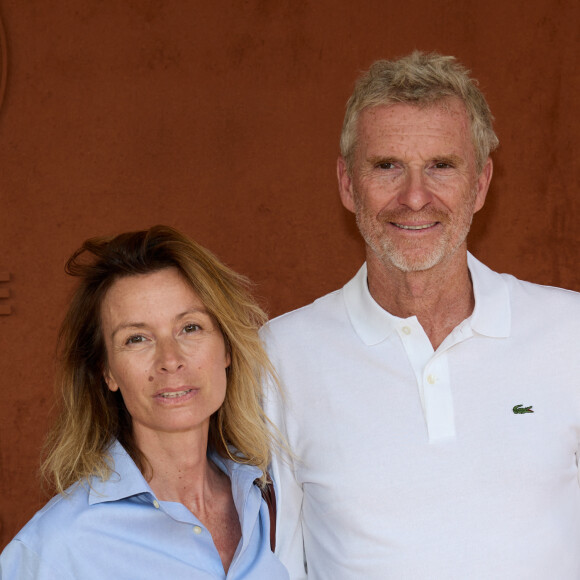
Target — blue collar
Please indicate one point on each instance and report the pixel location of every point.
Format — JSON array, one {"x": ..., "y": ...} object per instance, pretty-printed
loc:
[{"x": 127, "y": 481}]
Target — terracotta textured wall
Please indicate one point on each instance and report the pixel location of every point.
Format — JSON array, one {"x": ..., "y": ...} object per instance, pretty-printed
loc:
[{"x": 222, "y": 118}]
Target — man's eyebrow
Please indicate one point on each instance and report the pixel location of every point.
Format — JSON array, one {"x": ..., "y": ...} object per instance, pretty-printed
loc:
[
  {"x": 451, "y": 159},
  {"x": 377, "y": 159}
]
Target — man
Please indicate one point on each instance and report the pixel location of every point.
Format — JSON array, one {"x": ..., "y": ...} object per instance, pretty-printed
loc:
[{"x": 433, "y": 405}]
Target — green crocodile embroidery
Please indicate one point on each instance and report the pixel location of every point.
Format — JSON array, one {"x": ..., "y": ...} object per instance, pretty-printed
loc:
[{"x": 520, "y": 409}]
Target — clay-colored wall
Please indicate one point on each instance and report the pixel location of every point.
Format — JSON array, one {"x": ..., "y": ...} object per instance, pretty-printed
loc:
[{"x": 222, "y": 119}]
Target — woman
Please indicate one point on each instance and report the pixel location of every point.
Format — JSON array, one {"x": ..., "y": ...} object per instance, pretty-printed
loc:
[{"x": 161, "y": 446}]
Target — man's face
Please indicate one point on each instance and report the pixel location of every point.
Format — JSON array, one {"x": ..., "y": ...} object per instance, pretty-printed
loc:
[{"x": 413, "y": 185}]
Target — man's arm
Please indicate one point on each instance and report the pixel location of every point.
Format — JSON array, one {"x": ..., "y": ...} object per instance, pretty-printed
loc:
[
  {"x": 289, "y": 537},
  {"x": 289, "y": 492}
]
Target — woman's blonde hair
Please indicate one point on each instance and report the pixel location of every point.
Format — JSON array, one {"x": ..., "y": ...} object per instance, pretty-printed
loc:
[{"x": 91, "y": 416}]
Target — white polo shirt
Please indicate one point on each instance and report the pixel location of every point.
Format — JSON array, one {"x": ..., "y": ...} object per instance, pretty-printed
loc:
[{"x": 413, "y": 463}]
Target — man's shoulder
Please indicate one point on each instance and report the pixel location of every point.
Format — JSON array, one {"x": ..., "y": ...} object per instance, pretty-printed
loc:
[
  {"x": 549, "y": 297},
  {"x": 314, "y": 317},
  {"x": 324, "y": 312},
  {"x": 523, "y": 293}
]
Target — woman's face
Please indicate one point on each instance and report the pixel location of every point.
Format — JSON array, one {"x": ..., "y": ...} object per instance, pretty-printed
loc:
[{"x": 165, "y": 353}]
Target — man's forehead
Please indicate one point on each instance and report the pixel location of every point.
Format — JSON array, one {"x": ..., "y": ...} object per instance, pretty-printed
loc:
[
  {"x": 448, "y": 109},
  {"x": 400, "y": 122},
  {"x": 408, "y": 130}
]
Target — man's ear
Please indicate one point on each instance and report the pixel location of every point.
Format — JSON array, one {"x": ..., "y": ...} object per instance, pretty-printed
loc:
[
  {"x": 483, "y": 181},
  {"x": 345, "y": 185}
]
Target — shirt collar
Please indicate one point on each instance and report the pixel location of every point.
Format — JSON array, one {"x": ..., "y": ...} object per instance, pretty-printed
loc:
[
  {"x": 234, "y": 470},
  {"x": 241, "y": 475},
  {"x": 371, "y": 322},
  {"x": 127, "y": 480},
  {"x": 491, "y": 315}
]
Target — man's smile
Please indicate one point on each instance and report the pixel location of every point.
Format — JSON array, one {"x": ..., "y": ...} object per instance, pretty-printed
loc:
[{"x": 414, "y": 227}]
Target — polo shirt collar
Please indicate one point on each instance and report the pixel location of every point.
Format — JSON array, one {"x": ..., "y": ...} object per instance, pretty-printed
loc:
[
  {"x": 491, "y": 315},
  {"x": 370, "y": 321}
]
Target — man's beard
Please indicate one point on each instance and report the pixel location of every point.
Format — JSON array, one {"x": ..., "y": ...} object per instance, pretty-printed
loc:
[{"x": 414, "y": 255}]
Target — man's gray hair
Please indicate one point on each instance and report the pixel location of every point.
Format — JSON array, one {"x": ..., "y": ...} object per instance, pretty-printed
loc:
[{"x": 419, "y": 79}]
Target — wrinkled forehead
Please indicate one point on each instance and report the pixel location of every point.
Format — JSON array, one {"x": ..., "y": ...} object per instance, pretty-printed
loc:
[
  {"x": 448, "y": 109},
  {"x": 443, "y": 124}
]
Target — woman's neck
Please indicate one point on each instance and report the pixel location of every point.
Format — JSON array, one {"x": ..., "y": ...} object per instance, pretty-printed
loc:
[
  {"x": 181, "y": 470},
  {"x": 183, "y": 473}
]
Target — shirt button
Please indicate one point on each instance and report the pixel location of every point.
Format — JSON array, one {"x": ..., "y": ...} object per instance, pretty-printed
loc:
[
  {"x": 406, "y": 330},
  {"x": 431, "y": 379},
  {"x": 155, "y": 504},
  {"x": 197, "y": 530}
]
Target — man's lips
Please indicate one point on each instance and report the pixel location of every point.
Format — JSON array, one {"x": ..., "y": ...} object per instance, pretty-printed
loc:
[
  {"x": 413, "y": 221},
  {"x": 414, "y": 227}
]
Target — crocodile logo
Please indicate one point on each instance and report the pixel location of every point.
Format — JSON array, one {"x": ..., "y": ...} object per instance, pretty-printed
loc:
[{"x": 520, "y": 409}]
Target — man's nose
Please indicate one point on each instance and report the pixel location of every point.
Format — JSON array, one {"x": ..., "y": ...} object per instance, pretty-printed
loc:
[{"x": 415, "y": 192}]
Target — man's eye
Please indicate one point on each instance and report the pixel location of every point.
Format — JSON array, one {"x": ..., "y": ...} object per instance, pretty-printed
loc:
[
  {"x": 386, "y": 165},
  {"x": 442, "y": 165},
  {"x": 135, "y": 339},
  {"x": 191, "y": 328}
]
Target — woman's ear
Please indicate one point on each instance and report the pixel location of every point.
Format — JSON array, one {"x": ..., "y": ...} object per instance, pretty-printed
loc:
[
  {"x": 228, "y": 348},
  {"x": 111, "y": 382}
]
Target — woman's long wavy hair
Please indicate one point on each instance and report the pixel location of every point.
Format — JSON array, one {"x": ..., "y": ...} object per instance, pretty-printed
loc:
[{"x": 91, "y": 416}]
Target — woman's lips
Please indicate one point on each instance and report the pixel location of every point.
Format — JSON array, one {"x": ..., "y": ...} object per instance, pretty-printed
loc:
[{"x": 176, "y": 394}]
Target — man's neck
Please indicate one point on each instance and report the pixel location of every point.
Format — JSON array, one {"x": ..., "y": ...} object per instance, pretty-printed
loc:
[{"x": 440, "y": 298}]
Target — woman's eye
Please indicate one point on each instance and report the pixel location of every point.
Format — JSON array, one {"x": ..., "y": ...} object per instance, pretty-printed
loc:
[
  {"x": 191, "y": 328},
  {"x": 135, "y": 339}
]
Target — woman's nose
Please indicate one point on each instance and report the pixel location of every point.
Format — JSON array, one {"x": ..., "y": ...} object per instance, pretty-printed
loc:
[{"x": 169, "y": 356}]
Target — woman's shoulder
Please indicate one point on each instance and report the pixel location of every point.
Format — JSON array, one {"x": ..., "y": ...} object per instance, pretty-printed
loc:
[
  {"x": 35, "y": 551},
  {"x": 57, "y": 517}
]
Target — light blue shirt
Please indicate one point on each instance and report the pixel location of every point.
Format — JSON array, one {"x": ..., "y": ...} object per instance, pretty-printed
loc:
[{"x": 119, "y": 529}]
